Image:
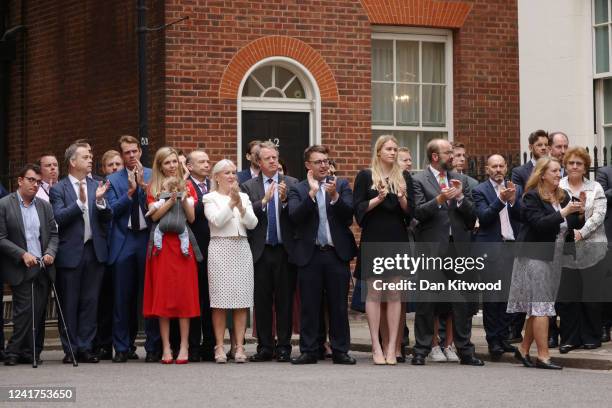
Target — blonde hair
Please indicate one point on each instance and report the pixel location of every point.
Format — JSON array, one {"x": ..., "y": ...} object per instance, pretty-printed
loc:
[
  {"x": 217, "y": 168},
  {"x": 158, "y": 177},
  {"x": 396, "y": 180},
  {"x": 535, "y": 180}
]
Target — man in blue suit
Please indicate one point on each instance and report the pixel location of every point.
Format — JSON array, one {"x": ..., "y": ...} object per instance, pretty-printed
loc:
[
  {"x": 321, "y": 210},
  {"x": 3, "y": 193},
  {"x": 82, "y": 215},
  {"x": 538, "y": 146},
  {"x": 251, "y": 155},
  {"x": 128, "y": 249},
  {"x": 497, "y": 205}
]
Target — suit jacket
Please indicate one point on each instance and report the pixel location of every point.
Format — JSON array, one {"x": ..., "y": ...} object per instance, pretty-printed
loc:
[
  {"x": 13, "y": 241},
  {"x": 69, "y": 218},
  {"x": 254, "y": 188},
  {"x": 244, "y": 175},
  {"x": 521, "y": 174},
  {"x": 199, "y": 226},
  {"x": 304, "y": 213},
  {"x": 120, "y": 205},
  {"x": 604, "y": 177},
  {"x": 487, "y": 206},
  {"x": 435, "y": 221},
  {"x": 541, "y": 223}
]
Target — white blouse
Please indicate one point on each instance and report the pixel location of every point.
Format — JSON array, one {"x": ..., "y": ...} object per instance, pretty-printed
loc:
[{"x": 226, "y": 222}]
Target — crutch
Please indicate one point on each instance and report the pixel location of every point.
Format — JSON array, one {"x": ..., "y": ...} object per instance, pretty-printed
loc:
[
  {"x": 61, "y": 316},
  {"x": 34, "y": 362}
]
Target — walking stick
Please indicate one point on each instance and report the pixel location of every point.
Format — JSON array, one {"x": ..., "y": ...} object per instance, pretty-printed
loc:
[{"x": 61, "y": 316}]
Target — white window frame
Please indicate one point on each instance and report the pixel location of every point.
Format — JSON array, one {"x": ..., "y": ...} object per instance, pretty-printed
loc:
[
  {"x": 593, "y": 25},
  {"x": 421, "y": 35}
]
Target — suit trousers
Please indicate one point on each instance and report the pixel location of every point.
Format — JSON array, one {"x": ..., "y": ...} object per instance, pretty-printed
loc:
[
  {"x": 274, "y": 289},
  {"x": 79, "y": 294},
  {"x": 128, "y": 283},
  {"x": 325, "y": 272},
  {"x": 20, "y": 343},
  {"x": 494, "y": 317},
  {"x": 104, "y": 334}
]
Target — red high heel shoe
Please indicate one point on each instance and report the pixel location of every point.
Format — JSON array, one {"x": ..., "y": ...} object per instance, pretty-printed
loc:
[{"x": 167, "y": 361}]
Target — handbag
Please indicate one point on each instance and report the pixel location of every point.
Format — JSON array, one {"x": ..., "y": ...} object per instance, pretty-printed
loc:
[{"x": 357, "y": 304}]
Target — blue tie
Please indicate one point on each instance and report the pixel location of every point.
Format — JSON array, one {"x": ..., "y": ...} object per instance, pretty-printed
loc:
[
  {"x": 322, "y": 231},
  {"x": 272, "y": 234}
]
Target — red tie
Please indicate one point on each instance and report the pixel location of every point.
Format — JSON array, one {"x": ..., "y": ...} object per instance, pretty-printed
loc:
[{"x": 442, "y": 180}]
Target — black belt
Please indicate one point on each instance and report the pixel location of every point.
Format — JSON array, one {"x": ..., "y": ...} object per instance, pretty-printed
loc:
[
  {"x": 274, "y": 246},
  {"x": 324, "y": 247}
]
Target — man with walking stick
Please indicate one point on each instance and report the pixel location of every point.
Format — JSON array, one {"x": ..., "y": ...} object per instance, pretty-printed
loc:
[{"x": 28, "y": 234}]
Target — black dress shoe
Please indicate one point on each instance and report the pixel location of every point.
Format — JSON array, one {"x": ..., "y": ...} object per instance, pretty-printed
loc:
[
  {"x": 547, "y": 365},
  {"x": 525, "y": 360},
  {"x": 105, "y": 353},
  {"x": 132, "y": 355},
  {"x": 207, "y": 355},
  {"x": 88, "y": 357},
  {"x": 283, "y": 357},
  {"x": 153, "y": 357},
  {"x": 496, "y": 351},
  {"x": 418, "y": 360},
  {"x": 261, "y": 356},
  {"x": 591, "y": 346},
  {"x": 471, "y": 360},
  {"x": 401, "y": 358},
  {"x": 605, "y": 334},
  {"x": 305, "y": 358},
  {"x": 11, "y": 360},
  {"x": 566, "y": 348},
  {"x": 67, "y": 359},
  {"x": 343, "y": 358},
  {"x": 194, "y": 357},
  {"x": 3, "y": 354},
  {"x": 553, "y": 342},
  {"x": 120, "y": 357}
]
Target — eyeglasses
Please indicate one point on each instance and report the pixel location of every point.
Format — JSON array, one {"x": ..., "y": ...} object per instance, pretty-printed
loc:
[
  {"x": 320, "y": 162},
  {"x": 33, "y": 180}
]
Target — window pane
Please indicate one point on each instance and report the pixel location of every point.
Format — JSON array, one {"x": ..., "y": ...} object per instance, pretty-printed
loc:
[
  {"x": 608, "y": 138},
  {"x": 601, "y": 11},
  {"x": 405, "y": 139},
  {"x": 251, "y": 88},
  {"x": 433, "y": 63},
  {"x": 295, "y": 90},
  {"x": 601, "y": 49},
  {"x": 264, "y": 76},
  {"x": 407, "y": 54},
  {"x": 273, "y": 93},
  {"x": 382, "y": 104},
  {"x": 382, "y": 60},
  {"x": 607, "y": 101},
  {"x": 434, "y": 106},
  {"x": 407, "y": 105},
  {"x": 282, "y": 77}
]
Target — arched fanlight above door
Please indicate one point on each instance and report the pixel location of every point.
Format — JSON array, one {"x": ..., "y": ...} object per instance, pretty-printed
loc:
[{"x": 273, "y": 81}]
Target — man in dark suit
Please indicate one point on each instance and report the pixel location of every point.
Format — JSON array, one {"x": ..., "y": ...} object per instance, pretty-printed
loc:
[
  {"x": 538, "y": 146},
  {"x": 445, "y": 212},
  {"x": 498, "y": 208},
  {"x": 321, "y": 209},
  {"x": 49, "y": 170},
  {"x": 558, "y": 143},
  {"x": 253, "y": 170},
  {"x": 127, "y": 199},
  {"x": 3, "y": 193},
  {"x": 82, "y": 215},
  {"x": 271, "y": 244},
  {"x": 91, "y": 174},
  {"x": 201, "y": 334},
  {"x": 28, "y": 233},
  {"x": 604, "y": 177}
]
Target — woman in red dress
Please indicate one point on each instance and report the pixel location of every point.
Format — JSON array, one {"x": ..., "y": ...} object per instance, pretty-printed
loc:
[{"x": 171, "y": 278}]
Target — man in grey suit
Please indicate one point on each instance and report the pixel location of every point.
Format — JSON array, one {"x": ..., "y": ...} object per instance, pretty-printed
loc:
[
  {"x": 604, "y": 177},
  {"x": 445, "y": 211},
  {"x": 271, "y": 244},
  {"x": 27, "y": 233}
]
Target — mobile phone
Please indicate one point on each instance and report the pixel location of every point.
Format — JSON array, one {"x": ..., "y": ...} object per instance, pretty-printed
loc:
[
  {"x": 575, "y": 198},
  {"x": 329, "y": 179}
]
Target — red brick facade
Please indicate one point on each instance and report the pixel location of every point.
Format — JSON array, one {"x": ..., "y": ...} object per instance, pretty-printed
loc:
[{"x": 80, "y": 71}]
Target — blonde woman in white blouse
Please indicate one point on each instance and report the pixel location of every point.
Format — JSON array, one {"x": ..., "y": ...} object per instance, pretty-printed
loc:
[
  {"x": 230, "y": 262},
  {"x": 582, "y": 274}
]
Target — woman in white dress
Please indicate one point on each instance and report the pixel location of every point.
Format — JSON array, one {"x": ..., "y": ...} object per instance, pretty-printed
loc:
[{"x": 230, "y": 262}]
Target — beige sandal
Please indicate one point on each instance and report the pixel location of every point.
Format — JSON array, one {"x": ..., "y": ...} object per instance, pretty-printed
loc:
[
  {"x": 220, "y": 357},
  {"x": 240, "y": 357}
]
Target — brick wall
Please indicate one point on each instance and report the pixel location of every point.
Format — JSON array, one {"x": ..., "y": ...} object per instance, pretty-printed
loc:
[{"x": 80, "y": 75}]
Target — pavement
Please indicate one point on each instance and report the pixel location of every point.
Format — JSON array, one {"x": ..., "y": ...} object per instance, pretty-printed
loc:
[{"x": 598, "y": 359}]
